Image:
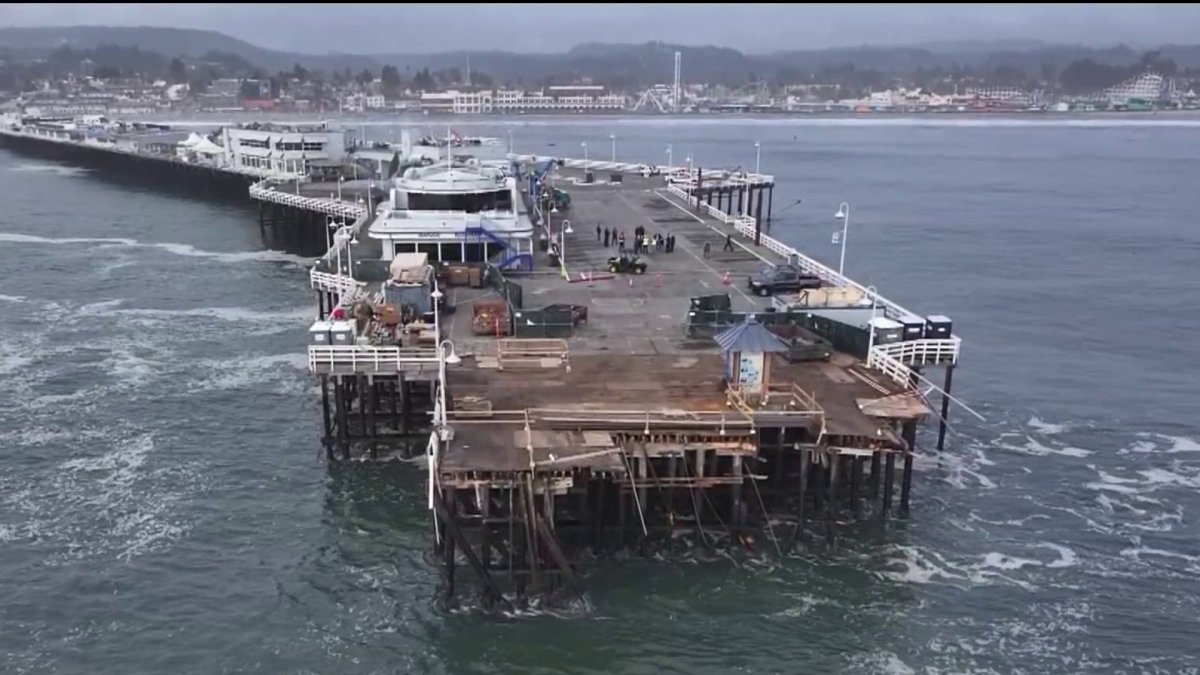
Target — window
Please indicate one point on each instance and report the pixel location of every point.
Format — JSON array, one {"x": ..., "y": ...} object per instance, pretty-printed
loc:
[{"x": 475, "y": 202}]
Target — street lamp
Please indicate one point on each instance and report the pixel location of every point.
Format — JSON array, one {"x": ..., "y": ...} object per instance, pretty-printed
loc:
[
  {"x": 341, "y": 179},
  {"x": 452, "y": 359},
  {"x": 510, "y": 142},
  {"x": 669, "y": 162},
  {"x": 329, "y": 225},
  {"x": 871, "y": 325},
  {"x": 757, "y": 156},
  {"x": 584, "y": 144},
  {"x": 613, "y": 138},
  {"x": 844, "y": 214}
]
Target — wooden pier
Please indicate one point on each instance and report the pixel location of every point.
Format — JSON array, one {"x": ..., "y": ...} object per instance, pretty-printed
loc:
[{"x": 625, "y": 431}]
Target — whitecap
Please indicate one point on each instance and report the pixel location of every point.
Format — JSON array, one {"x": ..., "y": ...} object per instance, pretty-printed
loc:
[
  {"x": 188, "y": 250},
  {"x": 1006, "y": 562},
  {"x": 1066, "y": 556},
  {"x": 1047, "y": 428}
]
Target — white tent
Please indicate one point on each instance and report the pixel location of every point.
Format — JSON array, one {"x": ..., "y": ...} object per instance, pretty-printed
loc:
[
  {"x": 192, "y": 141},
  {"x": 206, "y": 147}
]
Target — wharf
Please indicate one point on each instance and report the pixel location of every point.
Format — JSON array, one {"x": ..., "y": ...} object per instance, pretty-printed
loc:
[{"x": 623, "y": 429}]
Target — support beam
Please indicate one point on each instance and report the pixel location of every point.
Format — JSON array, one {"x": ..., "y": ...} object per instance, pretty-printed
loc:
[
  {"x": 831, "y": 507},
  {"x": 910, "y": 438},
  {"x": 855, "y": 480},
  {"x": 758, "y": 217},
  {"x": 874, "y": 479},
  {"x": 889, "y": 480},
  {"x": 452, "y": 530},
  {"x": 770, "y": 200},
  {"x": 945, "y": 407},
  {"x": 804, "y": 459},
  {"x": 326, "y": 417},
  {"x": 551, "y": 544}
]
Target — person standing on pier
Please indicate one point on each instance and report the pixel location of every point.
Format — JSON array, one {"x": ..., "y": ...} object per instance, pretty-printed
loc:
[
  {"x": 606, "y": 233},
  {"x": 707, "y": 249},
  {"x": 728, "y": 243},
  {"x": 621, "y": 243},
  {"x": 597, "y": 232}
]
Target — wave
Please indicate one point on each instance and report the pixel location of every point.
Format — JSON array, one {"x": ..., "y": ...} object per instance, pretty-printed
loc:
[
  {"x": 50, "y": 168},
  {"x": 235, "y": 314},
  {"x": 1047, "y": 428},
  {"x": 187, "y": 250}
]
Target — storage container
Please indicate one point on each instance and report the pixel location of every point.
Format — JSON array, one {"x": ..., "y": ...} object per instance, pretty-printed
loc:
[
  {"x": 341, "y": 334},
  {"x": 318, "y": 334},
  {"x": 937, "y": 327},
  {"x": 886, "y": 330},
  {"x": 914, "y": 327}
]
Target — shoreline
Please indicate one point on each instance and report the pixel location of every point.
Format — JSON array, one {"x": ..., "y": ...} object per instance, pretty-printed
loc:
[{"x": 1020, "y": 118}]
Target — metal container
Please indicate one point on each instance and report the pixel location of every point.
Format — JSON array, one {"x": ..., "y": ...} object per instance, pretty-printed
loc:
[
  {"x": 937, "y": 327},
  {"x": 318, "y": 334},
  {"x": 886, "y": 330},
  {"x": 341, "y": 333},
  {"x": 914, "y": 327}
]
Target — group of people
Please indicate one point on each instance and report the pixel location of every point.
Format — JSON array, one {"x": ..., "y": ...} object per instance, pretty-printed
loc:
[{"x": 642, "y": 243}]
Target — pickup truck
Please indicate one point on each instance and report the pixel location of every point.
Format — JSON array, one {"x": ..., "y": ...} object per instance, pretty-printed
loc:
[{"x": 778, "y": 278}]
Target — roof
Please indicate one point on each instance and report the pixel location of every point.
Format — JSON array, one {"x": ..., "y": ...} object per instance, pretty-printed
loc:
[{"x": 749, "y": 336}]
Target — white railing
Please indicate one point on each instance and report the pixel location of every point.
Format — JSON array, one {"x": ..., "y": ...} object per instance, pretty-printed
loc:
[
  {"x": 265, "y": 190},
  {"x": 922, "y": 352},
  {"x": 336, "y": 283},
  {"x": 361, "y": 358},
  {"x": 744, "y": 225},
  {"x": 713, "y": 177},
  {"x": 889, "y": 365}
]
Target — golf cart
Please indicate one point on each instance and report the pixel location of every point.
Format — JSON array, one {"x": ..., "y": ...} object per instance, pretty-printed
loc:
[{"x": 626, "y": 263}]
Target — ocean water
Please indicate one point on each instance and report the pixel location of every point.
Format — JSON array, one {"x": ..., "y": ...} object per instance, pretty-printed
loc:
[{"x": 164, "y": 506}]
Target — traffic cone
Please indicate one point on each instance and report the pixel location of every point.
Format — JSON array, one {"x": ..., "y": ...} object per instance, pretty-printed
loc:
[
  {"x": 725, "y": 278},
  {"x": 631, "y": 282},
  {"x": 658, "y": 280}
]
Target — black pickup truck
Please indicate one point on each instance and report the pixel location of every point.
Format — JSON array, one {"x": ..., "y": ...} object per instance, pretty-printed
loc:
[{"x": 778, "y": 278}]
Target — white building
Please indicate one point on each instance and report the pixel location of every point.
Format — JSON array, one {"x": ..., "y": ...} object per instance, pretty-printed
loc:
[
  {"x": 560, "y": 98},
  {"x": 375, "y": 102},
  {"x": 459, "y": 212},
  {"x": 281, "y": 150}
]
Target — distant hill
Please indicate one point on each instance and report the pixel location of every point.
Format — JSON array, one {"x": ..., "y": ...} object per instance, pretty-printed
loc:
[{"x": 619, "y": 65}]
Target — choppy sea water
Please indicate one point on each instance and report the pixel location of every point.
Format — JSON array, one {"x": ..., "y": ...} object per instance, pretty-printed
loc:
[{"x": 164, "y": 508}]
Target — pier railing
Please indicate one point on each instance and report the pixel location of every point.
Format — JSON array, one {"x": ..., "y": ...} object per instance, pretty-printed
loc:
[
  {"x": 922, "y": 352},
  {"x": 364, "y": 358},
  {"x": 728, "y": 178},
  {"x": 890, "y": 359},
  {"x": 345, "y": 287},
  {"x": 265, "y": 190}
]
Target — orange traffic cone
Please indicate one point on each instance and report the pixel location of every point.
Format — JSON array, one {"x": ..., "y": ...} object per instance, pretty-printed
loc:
[
  {"x": 657, "y": 280},
  {"x": 725, "y": 278}
]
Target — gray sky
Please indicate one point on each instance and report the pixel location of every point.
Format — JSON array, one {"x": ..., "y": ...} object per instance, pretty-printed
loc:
[{"x": 365, "y": 28}]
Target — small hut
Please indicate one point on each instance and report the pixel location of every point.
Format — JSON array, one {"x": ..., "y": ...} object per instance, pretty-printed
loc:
[{"x": 746, "y": 347}]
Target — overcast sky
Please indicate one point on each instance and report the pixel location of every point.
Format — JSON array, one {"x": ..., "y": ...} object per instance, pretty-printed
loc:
[{"x": 365, "y": 28}]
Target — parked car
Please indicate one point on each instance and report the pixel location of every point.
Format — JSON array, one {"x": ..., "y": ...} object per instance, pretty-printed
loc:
[{"x": 778, "y": 278}]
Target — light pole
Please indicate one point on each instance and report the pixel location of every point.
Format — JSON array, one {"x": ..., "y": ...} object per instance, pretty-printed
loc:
[
  {"x": 510, "y": 142},
  {"x": 843, "y": 213},
  {"x": 328, "y": 226},
  {"x": 871, "y": 326},
  {"x": 584, "y": 144},
  {"x": 757, "y": 157},
  {"x": 341, "y": 179},
  {"x": 613, "y": 138},
  {"x": 689, "y": 161},
  {"x": 669, "y": 162},
  {"x": 566, "y": 229}
]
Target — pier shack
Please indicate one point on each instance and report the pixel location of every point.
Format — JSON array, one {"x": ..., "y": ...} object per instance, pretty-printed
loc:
[{"x": 587, "y": 403}]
